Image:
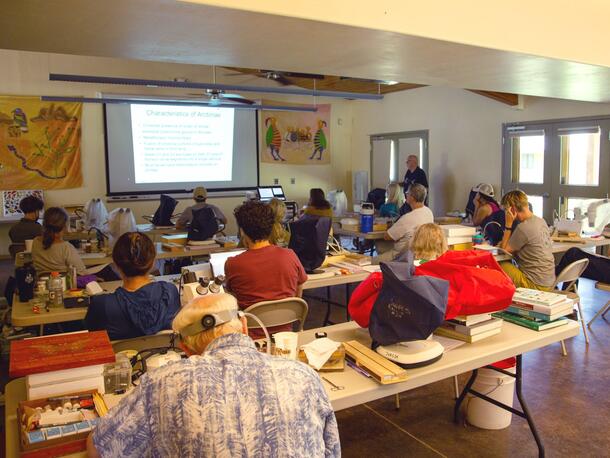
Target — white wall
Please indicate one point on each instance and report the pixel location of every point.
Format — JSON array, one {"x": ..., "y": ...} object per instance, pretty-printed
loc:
[
  {"x": 464, "y": 138},
  {"x": 25, "y": 73}
]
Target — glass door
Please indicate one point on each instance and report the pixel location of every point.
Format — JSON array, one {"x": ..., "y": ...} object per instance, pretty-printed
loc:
[
  {"x": 563, "y": 166},
  {"x": 526, "y": 166}
]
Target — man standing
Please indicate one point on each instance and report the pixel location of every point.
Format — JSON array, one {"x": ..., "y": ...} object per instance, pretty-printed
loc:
[
  {"x": 414, "y": 175},
  {"x": 398, "y": 237},
  {"x": 530, "y": 243},
  {"x": 227, "y": 399}
]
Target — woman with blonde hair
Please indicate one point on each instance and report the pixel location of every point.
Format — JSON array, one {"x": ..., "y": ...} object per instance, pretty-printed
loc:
[
  {"x": 279, "y": 235},
  {"x": 428, "y": 243},
  {"x": 394, "y": 200}
]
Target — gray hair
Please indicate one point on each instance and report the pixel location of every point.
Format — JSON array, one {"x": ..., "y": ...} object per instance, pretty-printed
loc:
[{"x": 418, "y": 192}]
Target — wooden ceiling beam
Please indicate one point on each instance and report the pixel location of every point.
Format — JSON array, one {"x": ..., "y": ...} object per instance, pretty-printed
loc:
[{"x": 502, "y": 97}]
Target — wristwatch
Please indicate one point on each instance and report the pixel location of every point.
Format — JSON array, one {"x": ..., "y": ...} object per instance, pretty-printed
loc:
[{"x": 506, "y": 228}]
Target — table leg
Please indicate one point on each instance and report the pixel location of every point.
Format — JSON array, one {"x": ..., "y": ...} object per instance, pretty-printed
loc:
[
  {"x": 528, "y": 416},
  {"x": 460, "y": 399},
  {"x": 328, "y": 305},
  {"x": 523, "y": 414},
  {"x": 41, "y": 333}
]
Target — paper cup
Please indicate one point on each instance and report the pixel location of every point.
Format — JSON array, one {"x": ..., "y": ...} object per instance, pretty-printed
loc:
[
  {"x": 28, "y": 246},
  {"x": 286, "y": 344}
]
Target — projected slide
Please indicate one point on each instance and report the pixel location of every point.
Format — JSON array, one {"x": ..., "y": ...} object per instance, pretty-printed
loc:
[{"x": 182, "y": 144}]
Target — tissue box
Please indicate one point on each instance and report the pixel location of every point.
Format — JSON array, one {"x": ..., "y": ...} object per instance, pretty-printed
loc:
[{"x": 336, "y": 362}]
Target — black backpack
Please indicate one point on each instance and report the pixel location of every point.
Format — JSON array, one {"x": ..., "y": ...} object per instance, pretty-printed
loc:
[
  {"x": 204, "y": 224},
  {"x": 308, "y": 239},
  {"x": 376, "y": 197},
  {"x": 163, "y": 214}
]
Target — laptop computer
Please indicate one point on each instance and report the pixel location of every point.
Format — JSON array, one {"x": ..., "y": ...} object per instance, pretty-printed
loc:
[{"x": 217, "y": 261}]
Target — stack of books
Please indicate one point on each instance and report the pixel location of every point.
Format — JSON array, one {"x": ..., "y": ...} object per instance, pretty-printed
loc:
[
  {"x": 470, "y": 328},
  {"x": 458, "y": 234},
  {"x": 538, "y": 310},
  {"x": 62, "y": 363}
]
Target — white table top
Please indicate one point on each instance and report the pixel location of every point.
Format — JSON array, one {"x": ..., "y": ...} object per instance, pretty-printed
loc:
[
  {"x": 513, "y": 340},
  {"x": 22, "y": 314}
]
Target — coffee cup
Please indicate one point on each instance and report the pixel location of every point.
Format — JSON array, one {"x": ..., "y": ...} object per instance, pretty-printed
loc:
[
  {"x": 286, "y": 344},
  {"x": 28, "y": 246}
]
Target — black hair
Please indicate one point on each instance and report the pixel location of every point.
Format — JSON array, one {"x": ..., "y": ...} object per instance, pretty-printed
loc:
[
  {"x": 317, "y": 198},
  {"x": 53, "y": 222},
  {"x": 134, "y": 253},
  {"x": 255, "y": 219},
  {"x": 30, "y": 204}
]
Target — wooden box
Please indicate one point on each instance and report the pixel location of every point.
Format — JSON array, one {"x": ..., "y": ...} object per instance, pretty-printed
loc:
[
  {"x": 58, "y": 352},
  {"x": 336, "y": 362},
  {"x": 54, "y": 447}
]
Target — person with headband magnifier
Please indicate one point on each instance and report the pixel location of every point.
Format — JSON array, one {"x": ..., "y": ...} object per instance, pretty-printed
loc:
[{"x": 226, "y": 399}]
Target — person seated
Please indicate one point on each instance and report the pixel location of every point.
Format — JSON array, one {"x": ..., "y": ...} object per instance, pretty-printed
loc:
[
  {"x": 141, "y": 306},
  {"x": 49, "y": 251},
  {"x": 28, "y": 227},
  {"x": 264, "y": 272},
  {"x": 598, "y": 268},
  {"x": 428, "y": 243},
  {"x": 529, "y": 242},
  {"x": 200, "y": 195},
  {"x": 318, "y": 205},
  {"x": 394, "y": 200},
  {"x": 398, "y": 236},
  {"x": 488, "y": 214},
  {"x": 484, "y": 204},
  {"x": 279, "y": 235},
  {"x": 227, "y": 399}
]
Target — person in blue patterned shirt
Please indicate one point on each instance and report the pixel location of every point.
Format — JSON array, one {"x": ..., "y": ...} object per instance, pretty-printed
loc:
[{"x": 227, "y": 399}]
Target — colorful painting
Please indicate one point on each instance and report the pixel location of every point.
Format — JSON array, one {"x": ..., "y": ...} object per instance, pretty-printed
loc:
[
  {"x": 11, "y": 199},
  {"x": 40, "y": 145},
  {"x": 293, "y": 137}
]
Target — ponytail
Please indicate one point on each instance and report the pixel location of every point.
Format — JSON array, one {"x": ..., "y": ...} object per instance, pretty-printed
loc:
[{"x": 53, "y": 222}]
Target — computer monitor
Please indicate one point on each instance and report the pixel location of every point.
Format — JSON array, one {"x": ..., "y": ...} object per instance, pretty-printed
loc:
[
  {"x": 217, "y": 260},
  {"x": 278, "y": 193},
  {"x": 265, "y": 193}
]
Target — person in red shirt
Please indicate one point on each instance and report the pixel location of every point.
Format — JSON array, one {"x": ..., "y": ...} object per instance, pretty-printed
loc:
[{"x": 264, "y": 272}]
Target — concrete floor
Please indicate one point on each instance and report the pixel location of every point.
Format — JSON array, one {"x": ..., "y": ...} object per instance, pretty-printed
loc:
[{"x": 568, "y": 397}]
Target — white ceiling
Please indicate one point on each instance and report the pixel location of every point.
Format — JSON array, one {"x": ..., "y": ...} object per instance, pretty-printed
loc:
[{"x": 164, "y": 30}]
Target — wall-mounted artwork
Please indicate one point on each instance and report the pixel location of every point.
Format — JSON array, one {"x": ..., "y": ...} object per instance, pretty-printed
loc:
[
  {"x": 11, "y": 199},
  {"x": 40, "y": 145},
  {"x": 292, "y": 137}
]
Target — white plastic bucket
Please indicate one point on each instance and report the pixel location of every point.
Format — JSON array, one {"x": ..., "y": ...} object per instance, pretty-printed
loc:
[{"x": 495, "y": 385}]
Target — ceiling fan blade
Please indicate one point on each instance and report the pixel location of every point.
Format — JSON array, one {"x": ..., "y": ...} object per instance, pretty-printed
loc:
[
  {"x": 238, "y": 99},
  {"x": 314, "y": 76},
  {"x": 198, "y": 94},
  {"x": 283, "y": 80}
]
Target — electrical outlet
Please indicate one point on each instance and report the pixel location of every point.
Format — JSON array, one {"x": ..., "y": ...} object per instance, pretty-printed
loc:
[
  {"x": 293, "y": 180},
  {"x": 276, "y": 181}
]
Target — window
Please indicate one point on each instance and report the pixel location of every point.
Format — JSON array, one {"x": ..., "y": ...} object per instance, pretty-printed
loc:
[
  {"x": 580, "y": 159},
  {"x": 528, "y": 158}
]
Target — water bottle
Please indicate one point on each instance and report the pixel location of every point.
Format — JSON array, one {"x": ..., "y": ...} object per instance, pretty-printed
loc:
[
  {"x": 367, "y": 216},
  {"x": 71, "y": 280},
  {"x": 25, "y": 277},
  {"x": 56, "y": 290}
]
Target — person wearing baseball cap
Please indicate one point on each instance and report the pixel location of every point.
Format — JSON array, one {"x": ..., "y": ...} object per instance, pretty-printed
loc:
[
  {"x": 484, "y": 204},
  {"x": 227, "y": 398},
  {"x": 200, "y": 195}
]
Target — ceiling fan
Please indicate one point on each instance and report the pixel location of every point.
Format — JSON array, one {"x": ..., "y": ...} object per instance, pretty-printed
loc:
[
  {"x": 217, "y": 96},
  {"x": 281, "y": 77}
]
